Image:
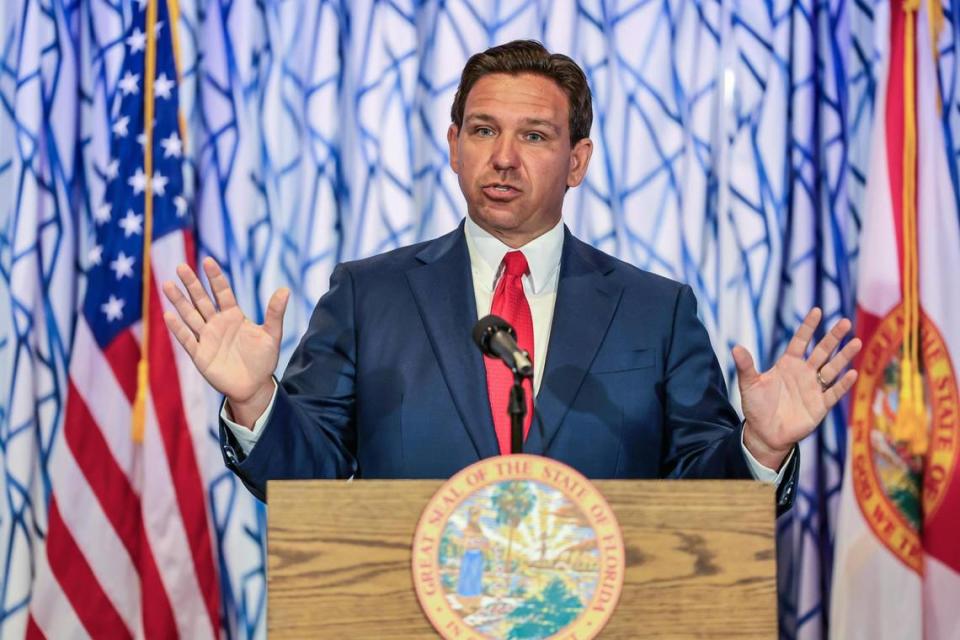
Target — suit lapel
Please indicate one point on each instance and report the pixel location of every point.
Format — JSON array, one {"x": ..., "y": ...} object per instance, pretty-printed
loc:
[
  {"x": 586, "y": 302},
  {"x": 443, "y": 289}
]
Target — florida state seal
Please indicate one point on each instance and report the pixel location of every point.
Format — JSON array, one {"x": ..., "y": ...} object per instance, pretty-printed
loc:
[
  {"x": 518, "y": 546},
  {"x": 896, "y": 486}
]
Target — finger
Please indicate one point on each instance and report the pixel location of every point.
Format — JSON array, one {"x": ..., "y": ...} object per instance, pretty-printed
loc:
[
  {"x": 840, "y": 361},
  {"x": 273, "y": 318},
  {"x": 798, "y": 344},
  {"x": 821, "y": 353},
  {"x": 181, "y": 332},
  {"x": 833, "y": 395},
  {"x": 188, "y": 312},
  {"x": 746, "y": 370},
  {"x": 219, "y": 284},
  {"x": 197, "y": 293}
]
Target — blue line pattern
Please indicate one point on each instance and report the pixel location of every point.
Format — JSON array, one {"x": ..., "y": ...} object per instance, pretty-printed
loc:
[{"x": 731, "y": 141}]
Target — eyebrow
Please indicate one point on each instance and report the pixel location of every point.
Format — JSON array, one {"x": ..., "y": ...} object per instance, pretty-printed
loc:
[{"x": 530, "y": 122}]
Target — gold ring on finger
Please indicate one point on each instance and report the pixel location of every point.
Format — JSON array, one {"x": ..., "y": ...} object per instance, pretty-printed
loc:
[{"x": 824, "y": 385}]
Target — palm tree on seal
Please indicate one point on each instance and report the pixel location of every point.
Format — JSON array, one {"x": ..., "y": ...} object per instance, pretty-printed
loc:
[{"x": 512, "y": 502}]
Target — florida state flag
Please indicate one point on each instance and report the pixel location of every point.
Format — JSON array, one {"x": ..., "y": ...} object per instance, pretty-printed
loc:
[{"x": 897, "y": 562}]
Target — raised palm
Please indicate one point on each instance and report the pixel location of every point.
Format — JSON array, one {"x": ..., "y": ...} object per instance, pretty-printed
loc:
[
  {"x": 786, "y": 403},
  {"x": 236, "y": 356}
]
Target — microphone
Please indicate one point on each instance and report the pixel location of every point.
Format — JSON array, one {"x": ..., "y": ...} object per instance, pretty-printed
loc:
[{"x": 496, "y": 338}]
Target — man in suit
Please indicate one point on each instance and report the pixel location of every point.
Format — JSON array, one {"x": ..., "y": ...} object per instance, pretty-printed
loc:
[{"x": 386, "y": 382}]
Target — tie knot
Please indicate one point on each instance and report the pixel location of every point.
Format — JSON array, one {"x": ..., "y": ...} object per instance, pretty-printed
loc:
[{"x": 515, "y": 264}]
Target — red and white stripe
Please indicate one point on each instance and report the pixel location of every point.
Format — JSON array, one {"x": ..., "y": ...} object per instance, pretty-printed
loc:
[
  {"x": 129, "y": 550},
  {"x": 938, "y": 235}
]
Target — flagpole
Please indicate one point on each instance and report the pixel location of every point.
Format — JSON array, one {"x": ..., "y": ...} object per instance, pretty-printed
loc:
[
  {"x": 143, "y": 367},
  {"x": 173, "y": 14}
]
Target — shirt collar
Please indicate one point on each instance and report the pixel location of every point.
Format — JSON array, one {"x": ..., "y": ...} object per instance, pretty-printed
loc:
[{"x": 487, "y": 251}]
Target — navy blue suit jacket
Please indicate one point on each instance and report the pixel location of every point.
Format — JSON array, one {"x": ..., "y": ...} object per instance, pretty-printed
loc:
[{"x": 387, "y": 383}]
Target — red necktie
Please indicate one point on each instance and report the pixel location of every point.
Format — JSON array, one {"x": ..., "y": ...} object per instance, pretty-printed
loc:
[{"x": 510, "y": 303}]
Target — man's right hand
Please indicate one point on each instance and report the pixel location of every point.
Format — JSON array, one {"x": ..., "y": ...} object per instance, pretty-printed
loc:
[{"x": 236, "y": 356}]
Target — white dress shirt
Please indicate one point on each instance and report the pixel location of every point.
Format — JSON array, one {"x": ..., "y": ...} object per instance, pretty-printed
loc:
[{"x": 540, "y": 286}]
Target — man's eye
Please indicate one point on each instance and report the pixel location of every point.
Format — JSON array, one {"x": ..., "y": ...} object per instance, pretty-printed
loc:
[
  {"x": 483, "y": 131},
  {"x": 533, "y": 136}
]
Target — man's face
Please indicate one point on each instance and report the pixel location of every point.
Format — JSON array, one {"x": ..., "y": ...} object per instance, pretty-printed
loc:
[{"x": 513, "y": 157}]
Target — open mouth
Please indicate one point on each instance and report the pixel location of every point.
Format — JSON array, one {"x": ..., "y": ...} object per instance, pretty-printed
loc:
[{"x": 500, "y": 192}]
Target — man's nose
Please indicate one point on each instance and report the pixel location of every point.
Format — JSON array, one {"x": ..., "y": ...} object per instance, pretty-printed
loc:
[{"x": 505, "y": 155}]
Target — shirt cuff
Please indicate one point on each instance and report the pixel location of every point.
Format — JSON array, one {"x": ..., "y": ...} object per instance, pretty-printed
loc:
[
  {"x": 246, "y": 438},
  {"x": 759, "y": 471}
]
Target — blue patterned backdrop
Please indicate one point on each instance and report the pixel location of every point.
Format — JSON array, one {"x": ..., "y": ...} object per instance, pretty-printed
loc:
[{"x": 731, "y": 141}]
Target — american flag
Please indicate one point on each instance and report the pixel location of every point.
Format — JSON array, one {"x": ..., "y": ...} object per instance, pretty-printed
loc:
[{"x": 129, "y": 551}]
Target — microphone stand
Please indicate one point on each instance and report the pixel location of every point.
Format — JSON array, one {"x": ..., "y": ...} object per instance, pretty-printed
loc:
[{"x": 517, "y": 409}]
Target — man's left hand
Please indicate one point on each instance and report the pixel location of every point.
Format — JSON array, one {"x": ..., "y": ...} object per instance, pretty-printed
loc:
[{"x": 785, "y": 404}]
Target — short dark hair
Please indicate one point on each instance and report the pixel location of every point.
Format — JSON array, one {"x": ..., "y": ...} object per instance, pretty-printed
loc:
[{"x": 529, "y": 56}]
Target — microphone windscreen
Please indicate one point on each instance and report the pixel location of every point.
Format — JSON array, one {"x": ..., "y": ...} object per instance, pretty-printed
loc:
[{"x": 486, "y": 327}]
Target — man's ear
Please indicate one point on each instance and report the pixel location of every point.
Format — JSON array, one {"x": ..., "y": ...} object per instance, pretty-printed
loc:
[
  {"x": 579, "y": 159},
  {"x": 453, "y": 134}
]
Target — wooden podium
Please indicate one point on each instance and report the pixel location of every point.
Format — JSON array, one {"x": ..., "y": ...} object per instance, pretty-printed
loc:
[{"x": 700, "y": 559}]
